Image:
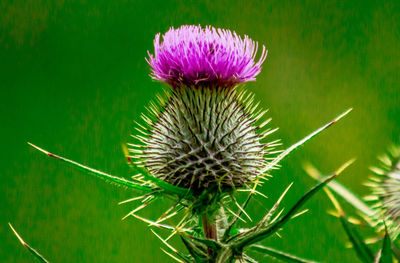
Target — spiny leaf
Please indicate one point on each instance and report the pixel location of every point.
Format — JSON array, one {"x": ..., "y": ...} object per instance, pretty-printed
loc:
[
  {"x": 304, "y": 140},
  {"x": 342, "y": 191},
  {"x": 279, "y": 254},
  {"x": 268, "y": 216},
  {"x": 102, "y": 175},
  {"x": 358, "y": 243},
  {"x": 235, "y": 218},
  {"x": 258, "y": 236},
  {"x": 286, "y": 152},
  {"x": 30, "y": 249},
  {"x": 267, "y": 219},
  {"x": 362, "y": 250}
]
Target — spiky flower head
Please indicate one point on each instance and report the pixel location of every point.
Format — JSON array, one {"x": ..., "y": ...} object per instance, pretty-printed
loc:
[
  {"x": 385, "y": 186},
  {"x": 205, "y": 134},
  {"x": 194, "y": 55}
]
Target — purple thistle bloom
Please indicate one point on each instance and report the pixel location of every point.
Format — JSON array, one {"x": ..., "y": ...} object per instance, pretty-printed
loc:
[{"x": 193, "y": 55}]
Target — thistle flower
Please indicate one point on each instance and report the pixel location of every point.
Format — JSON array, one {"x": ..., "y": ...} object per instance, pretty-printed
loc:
[
  {"x": 204, "y": 134},
  {"x": 385, "y": 186},
  {"x": 191, "y": 55},
  {"x": 200, "y": 143}
]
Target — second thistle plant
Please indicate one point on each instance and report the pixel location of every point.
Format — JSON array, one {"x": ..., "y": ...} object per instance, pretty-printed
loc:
[
  {"x": 380, "y": 210},
  {"x": 385, "y": 186}
]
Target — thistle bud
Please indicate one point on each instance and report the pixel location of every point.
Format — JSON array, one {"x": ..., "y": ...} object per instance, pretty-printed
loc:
[{"x": 205, "y": 134}]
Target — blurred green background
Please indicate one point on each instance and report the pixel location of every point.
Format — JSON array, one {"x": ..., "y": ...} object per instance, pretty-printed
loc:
[{"x": 73, "y": 78}]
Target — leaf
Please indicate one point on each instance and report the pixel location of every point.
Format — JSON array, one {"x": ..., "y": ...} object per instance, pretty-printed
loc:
[
  {"x": 279, "y": 254},
  {"x": 268, "y": 216},
  {"x": 235, "y": 218},
  {"x": 267, "y": 219},
  {"x": 293, "y": 147},
  {"x": 386, "y": 251},
  {"x": 304, "y": 140},
  {"x": 102, "y": 175},
  {"x": 362, "y": 250},
  {"x": 358, "y": 243},
  {"x": 258, "y": 236},
  {"x": 33, "y": 251},
  {"x": 342, "y": 191}
]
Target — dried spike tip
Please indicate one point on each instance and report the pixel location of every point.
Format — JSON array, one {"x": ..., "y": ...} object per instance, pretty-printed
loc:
[
  {"x": 193, "y": 55},
  {"x": 205, "y": 138},
  {"x": 385, "y": 187}
]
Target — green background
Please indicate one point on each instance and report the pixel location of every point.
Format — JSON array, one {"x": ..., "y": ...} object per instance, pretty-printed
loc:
[{"x": 73, "y": 78}]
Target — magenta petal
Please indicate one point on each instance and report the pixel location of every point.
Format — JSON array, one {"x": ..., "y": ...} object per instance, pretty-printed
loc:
[{"x": 192, "y": 55}]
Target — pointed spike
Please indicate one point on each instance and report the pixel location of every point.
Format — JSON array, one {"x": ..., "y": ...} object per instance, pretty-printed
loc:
[
  {"x": 264, "y": 122},
  {"x": 305, "y": 139},
  {"x": 131, "y": 199},
  {"x": 166, "y": 217},
  {"x": 236, "y": 215},
  {"x": 277, "y": 216},
  {"x": 102, "y": 175},
  {"x": 135, "y": 210},
  {"x": 241, "y": 209},
  {"x": 172, "y": 256},
  {"x": 300, "y": 213},
  {"x": 283, "y": 194},
  {"x": 33, "y": 251},
  {"x": 151, "y": 223},
  {"x": 165, "y": 242},
  {"x": 272, "y": 228},
  {"x": 17, "y": 235}
]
